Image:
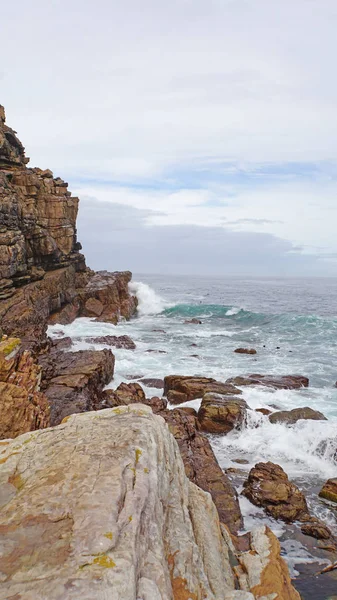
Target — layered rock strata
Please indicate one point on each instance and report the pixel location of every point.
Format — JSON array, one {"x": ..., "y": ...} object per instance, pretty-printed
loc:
[{"x": 130, "y": 525}]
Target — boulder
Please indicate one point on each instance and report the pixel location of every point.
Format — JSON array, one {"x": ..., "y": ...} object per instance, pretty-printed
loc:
[
  {"x": 202, "y": 468},
  {"x": 278, "y": 382},
  {"x": 130, "y": 525},
  {"x": 268, "y": 486},
  {"x": 245, "y": 351},
  {"x": 117, "y": 341},
  {"x": 187, "y": 388},
  {"x": 73, "y": 381},
  {"x": 329, "y": 490},
  {"x": 289, "y": 417},
  {"x": 220, "y": 413},
  {"x": 131, "y": 393}
]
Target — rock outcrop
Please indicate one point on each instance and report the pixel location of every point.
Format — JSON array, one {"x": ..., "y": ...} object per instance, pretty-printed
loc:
[
  {"x": 221, "y": 413},
  {"x": 181, "y": 388},
  {"x": 22, "y": 407},
  {"x": 42, "y": 271},
  {"x": 278, "y": 382},
  {"x": 130, "y": 525}
]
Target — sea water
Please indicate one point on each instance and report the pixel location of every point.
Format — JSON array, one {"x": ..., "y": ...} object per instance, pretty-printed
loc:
[{"x": 292, "y": 324}]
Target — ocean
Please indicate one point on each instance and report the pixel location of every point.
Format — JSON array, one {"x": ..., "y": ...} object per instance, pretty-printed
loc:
[{"x": 292, "y": 323}]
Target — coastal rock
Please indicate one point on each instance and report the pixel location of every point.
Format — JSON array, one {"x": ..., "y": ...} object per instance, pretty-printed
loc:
[
  {"x": 153, "y": 383},
  {"x": 278, "y": 382},
  {"x": 289, "y": 417},
  {"x": 193, "y": 321},
  {"x": 202, "y": 468},
  {"x": 221, "y": 414},
  {"x": 329, "y": 490},
  {"x": 131, "y": 393},
  {"x": 245, "y": 351},
  {"x": 130, "y": 524},
  {"x": 117, "y": 341},
  {"x": 187, "y": 388},
  {"x": 23, "y": 406},
  {"x": 73, "y": 382},
  {"x": 268, "y": 486}
]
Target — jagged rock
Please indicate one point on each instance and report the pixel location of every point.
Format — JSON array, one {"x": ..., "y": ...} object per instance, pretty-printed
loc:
[
  {"x": 180, "y": 388},
  {"x": 278, "y": 382},
  {"x": 221, "y": 414},
  {"x": 268, "y": 486},
  {"x": 23, "y": 406},
  {"x": 290, "y": 417},
  {"x": 117, "y": 341},
  {"x": 202, "y": 468},
  {"x": 329, "y": 490},
  {"x": 73, "y": 381},
  {"x": 245, "y": 351},
  {"x": 131, "y": 393},
  {"x": 130, "y": 525}
]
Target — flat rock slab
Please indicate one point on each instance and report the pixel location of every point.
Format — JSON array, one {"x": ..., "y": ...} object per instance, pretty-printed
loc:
[{"x": 100, "y": 507}]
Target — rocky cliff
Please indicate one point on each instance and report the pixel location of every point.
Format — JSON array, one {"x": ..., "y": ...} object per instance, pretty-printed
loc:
[
  {"x": 42, "y": 271},
  {"x": 130, "y": 525}
]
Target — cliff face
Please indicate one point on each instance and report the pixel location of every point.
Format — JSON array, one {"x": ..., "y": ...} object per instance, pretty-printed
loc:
[{"x": 41, "y": 268}]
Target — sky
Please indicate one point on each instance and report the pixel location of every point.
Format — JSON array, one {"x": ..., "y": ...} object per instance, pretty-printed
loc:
[{"x": 200, "y": 135}]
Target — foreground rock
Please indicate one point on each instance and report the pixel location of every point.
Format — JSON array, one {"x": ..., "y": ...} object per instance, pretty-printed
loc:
[
  {"x": 329, "y": 490},
  {"x": 220, "y": 413},
  {"x": 278, "y": 382},
  {"x": 289, "y": 417},
  {"x": 180, "y": 388},
  {"x": 202, "y": 467},
  {"x": 23, "y": 406},
  {"x": 73, "y": 382}
]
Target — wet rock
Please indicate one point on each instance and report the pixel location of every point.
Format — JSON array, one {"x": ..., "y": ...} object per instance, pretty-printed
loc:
[
  {"x": 241, "y": 461},
  {"x": 62, "y": 343},
  {"x": 202, "y": 468},
  {"x": 73, "y": 381},
  {"x": 245, "y": 351},
  {"x": 189, "y": 388},
  {"x": 153, "y": 383},
  {"x": 278, "y": 382},
  {"x": 292, "y": 416},
  {"x": 193, "y": 321},
  {"x": 317, "y": 529},
  {"x": 221, "y": 414},
  {"x": 117, "y": 341},
  {"x": 263, "y": 411},
  {"x": 329, "y": 490},
  {"x": 156, "y": 351},
  {"x": 159, "y": 330},
  {"x": 268, "y": 486},
  {"x": 92, "y": 498}
]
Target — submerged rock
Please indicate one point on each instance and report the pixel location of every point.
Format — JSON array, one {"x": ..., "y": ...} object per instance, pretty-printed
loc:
[
  {"x": 278, "y": 382},
  {"x": 290, "y": 417},
  {"x": 245, "y": 351},
  {"x": 220, "y": 413},
  {"x": 193, "y": 321},
  {"x": 329, "y": 490},
  {"x": 180, "y": 388},
  {"x": 117, "y": 341}
]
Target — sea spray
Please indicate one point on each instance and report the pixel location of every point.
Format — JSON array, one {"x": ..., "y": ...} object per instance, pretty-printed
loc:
[{"x": 149, "y": 303}]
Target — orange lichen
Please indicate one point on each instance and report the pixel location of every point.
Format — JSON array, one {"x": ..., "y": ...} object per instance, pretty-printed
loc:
[{"x": 179, "y": 584}]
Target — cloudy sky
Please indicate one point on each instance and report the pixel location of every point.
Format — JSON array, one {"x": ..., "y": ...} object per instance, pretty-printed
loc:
[{"x": 200, "y": 135}]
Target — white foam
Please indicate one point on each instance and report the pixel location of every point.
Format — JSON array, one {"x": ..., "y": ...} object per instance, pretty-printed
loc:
[
  {"x": 296, "y": 554},
  {"x": 233, "y": 311},
  {"x": 149, "y": 303}
]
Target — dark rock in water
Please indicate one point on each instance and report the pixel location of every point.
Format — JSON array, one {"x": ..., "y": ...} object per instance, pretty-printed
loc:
[
  {"x": 220, "y": 413},
  {"x": 159, "y": 330},
  {"x": 180, "y": 388},
  {"x": 194, "y": 356},
  {"x": 292, "y": 416},
  {"x": 268, "y": 486},
  {"x": 153, "y": 383},
  {"x": 278, "y": 382},
  {"x": 117, "y": 341},
  {"x": 156, "y": 351},
  {"x": 133, "y": 376},
  {"x": 202, "y": 467},
  {"x": 196, "y": 345},
  {"x": 329, "y": 490},
  {"x": 193, "y": 321},
  {"x": 245, "y": 351},
  {"x": 73, "y": 382},
  {"x": 263, "y": 411},
  {"x": 241, "y": 461}
]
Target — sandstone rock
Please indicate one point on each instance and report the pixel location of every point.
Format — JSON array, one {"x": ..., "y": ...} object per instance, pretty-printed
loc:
[
  {"x": 329, "y": 490},
  {"x": 126, "y": 393},
  {"x": 130, "y": 524},
  {"x": 73, "y": 381},
  {"x": 189, "y": 388},
  {"x": 316, "y": 528},
  {"x": 278, "y": 382},
  {"x": 106, "y": 296},
  {"x": 23, "y": 406},
  {"x": 117, "y": 341},
  {"x": 292, "y": 416},
  {"x": 245, "y": 351},
  {"x": 268, "y": 486},
  {"x": 221, "y": 414},
  {"x": 202, "y": 468}
]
